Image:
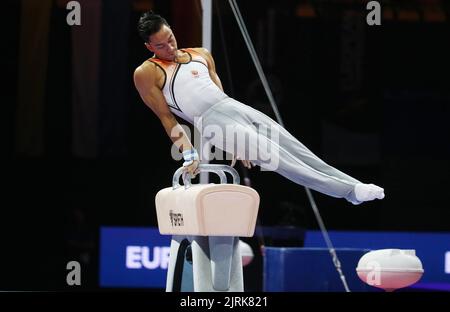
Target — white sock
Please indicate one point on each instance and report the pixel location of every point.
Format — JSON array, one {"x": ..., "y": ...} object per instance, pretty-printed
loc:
[{"x": 366, "y": 192}]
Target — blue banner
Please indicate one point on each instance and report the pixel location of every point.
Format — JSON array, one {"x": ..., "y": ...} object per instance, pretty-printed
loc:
[
  {"x": 133, "y": 257},
  {"x": 139, "y": 257}
]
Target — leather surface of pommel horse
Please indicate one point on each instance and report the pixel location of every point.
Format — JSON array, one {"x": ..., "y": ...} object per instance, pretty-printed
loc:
[{"x": 205, "y": 221}]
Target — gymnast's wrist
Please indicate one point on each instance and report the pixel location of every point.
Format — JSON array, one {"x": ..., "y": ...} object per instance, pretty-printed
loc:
[{"x": 189, "y": 156}]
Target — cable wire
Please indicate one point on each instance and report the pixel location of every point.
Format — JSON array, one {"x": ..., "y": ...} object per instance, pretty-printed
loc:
[{"x": 262, "y": 76}]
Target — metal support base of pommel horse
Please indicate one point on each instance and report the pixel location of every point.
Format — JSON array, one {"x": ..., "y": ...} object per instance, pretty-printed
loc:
[
  {"x": 205, "y": 264},
  {"x": 210, "y": 218}
]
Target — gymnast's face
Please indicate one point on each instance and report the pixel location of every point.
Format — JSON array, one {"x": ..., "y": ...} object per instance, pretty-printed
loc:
[{"x": 163, "y": 44}]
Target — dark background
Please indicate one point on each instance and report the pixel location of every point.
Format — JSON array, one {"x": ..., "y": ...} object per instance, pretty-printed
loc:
[{"x": 372, "y": 101}]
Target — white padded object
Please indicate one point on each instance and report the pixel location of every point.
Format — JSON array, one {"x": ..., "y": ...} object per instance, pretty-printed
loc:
[
  {"x": 246, "y": 253},
  {"x": 207, "y": 210},
  {"x": 390, "y": 269}
]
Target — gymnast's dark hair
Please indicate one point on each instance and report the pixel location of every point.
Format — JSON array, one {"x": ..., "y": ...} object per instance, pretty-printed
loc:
[{"x": 150, "y": 23}]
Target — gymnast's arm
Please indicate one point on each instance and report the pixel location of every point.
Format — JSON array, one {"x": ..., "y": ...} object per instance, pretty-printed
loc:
[{"x": 145, "y": 80}]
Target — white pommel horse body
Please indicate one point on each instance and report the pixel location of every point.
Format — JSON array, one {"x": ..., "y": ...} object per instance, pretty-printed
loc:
[{"x": 208, "y": 219}]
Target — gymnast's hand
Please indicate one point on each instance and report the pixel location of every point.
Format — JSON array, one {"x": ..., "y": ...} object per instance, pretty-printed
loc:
[
  {"x": 191, "y": 162},
  {"x": 192, "y": 169}
]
